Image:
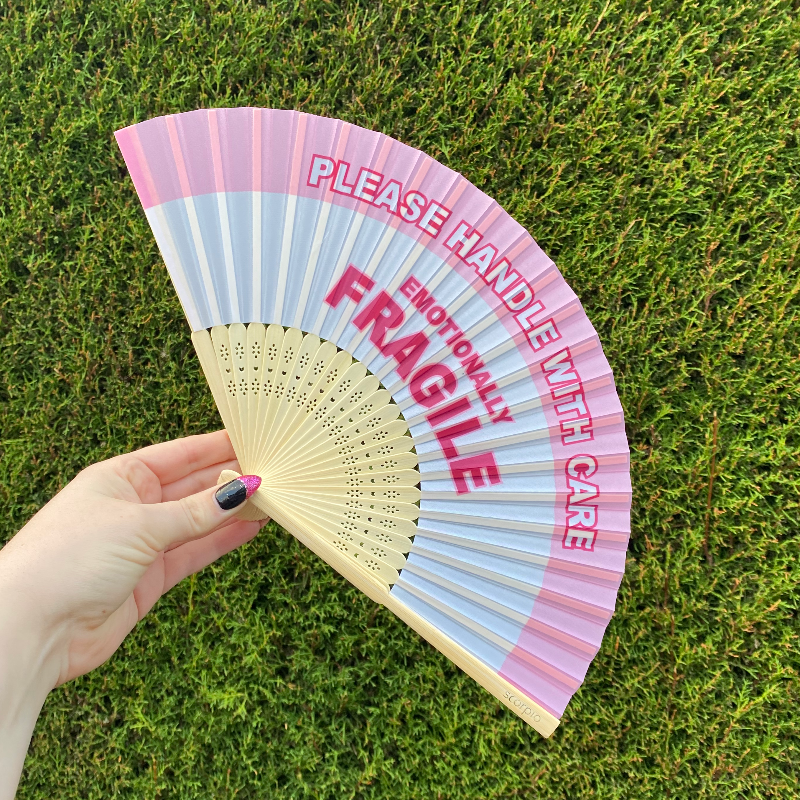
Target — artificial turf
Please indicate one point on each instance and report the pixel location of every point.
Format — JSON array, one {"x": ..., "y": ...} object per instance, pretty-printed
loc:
[{"x": 652, "y": 150}]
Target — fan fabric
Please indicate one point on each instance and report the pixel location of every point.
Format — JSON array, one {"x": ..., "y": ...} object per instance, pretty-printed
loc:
[{"x": 321, "y": 227}]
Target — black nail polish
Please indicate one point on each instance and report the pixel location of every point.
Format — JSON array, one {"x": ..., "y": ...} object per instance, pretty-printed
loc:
[{"x": 231, "y": 494}]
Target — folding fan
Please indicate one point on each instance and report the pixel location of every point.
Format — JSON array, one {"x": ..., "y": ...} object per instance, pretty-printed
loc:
[{"x": 427, "y": 405}]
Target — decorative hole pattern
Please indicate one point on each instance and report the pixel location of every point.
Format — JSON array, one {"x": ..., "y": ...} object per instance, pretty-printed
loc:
[{"x": 341, "y": 448}]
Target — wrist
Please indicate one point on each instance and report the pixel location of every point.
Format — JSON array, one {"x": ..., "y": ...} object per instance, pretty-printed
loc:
[{"x": 28, "y": 671}]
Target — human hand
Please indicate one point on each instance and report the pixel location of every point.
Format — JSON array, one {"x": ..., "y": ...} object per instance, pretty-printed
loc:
[{"x": 93, "y": 561}]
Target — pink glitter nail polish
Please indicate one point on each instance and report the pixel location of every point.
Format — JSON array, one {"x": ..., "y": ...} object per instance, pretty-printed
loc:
[{"x": 251, "y": 482}]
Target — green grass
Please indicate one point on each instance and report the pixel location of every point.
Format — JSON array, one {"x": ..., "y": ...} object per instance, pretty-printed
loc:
[{"x": 652, "y": 150}]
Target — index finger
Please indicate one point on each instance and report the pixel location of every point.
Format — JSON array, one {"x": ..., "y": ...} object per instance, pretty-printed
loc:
[{"x": 171, "y": 461}]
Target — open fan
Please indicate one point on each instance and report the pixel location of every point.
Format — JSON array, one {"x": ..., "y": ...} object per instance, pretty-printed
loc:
[{"x": 422, "y": 394}]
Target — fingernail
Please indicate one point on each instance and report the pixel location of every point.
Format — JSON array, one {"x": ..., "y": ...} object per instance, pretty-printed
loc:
[{"x": 235, "y": 492}]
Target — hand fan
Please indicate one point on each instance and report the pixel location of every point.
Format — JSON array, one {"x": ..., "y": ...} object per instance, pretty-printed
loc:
[{"x": 422, "y": 394}]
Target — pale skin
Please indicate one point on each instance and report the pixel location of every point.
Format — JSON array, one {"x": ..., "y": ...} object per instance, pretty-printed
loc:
[{"x": 92, "y": 562}]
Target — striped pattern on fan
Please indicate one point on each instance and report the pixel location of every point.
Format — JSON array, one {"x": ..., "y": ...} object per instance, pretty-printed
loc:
[{"x": 422, "y": 394}]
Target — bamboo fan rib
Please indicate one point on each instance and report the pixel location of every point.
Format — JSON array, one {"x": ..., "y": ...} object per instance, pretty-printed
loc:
[
  {"x": 324, "y": 437},
  {"x": 427, "y": 405}
]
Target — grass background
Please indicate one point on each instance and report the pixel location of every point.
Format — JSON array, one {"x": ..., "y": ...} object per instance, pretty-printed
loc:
[{"x": 652, "y": 149}]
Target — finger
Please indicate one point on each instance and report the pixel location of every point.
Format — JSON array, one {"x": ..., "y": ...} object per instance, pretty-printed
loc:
[
  {"x": 194, "y": 556},
  {"x": 172, "y": 566},
  {"x": 196, "y": 481},
  {"x": 171, "y": 461},
  {"x": 197, "y": 515},
  {"x": 262, "y": 521}
]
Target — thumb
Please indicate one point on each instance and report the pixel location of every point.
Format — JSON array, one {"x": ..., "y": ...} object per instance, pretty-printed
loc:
[{"x": 199, "y": 514}]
